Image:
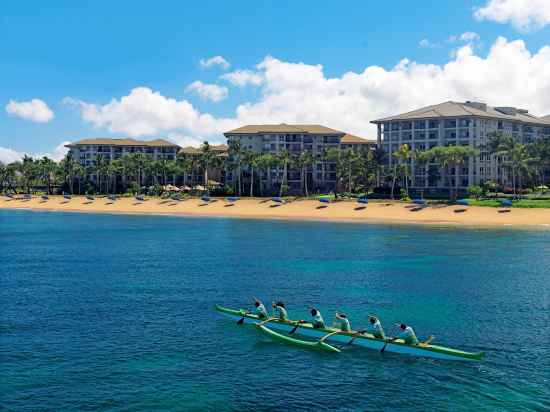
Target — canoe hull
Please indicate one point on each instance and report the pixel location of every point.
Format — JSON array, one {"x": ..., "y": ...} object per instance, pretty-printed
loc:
[{"x": 366, "y": 341}]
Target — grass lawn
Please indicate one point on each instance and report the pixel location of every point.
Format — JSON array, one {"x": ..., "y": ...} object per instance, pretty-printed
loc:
[{"x": 524, "y": 203}]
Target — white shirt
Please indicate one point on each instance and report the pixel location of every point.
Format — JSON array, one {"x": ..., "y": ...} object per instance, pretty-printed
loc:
[
  {"x": 375, "y": 328},
  {"x": 408, "y": 336},
  {"x": 281, "y": 312},
  {"x": 260, "y": 309},
  {"x": 318, "y": 318}
]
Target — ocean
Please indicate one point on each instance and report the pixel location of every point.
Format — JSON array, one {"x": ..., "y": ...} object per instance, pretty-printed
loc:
[{"x": 116, "y": 313}]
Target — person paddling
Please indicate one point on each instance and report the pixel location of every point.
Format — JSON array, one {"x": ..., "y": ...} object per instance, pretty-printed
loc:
[
  {"x": 318, "y": 321},
  {"x": 407, "y": 334},
  {"x": 375, "y": 328},
  {"x": 260, "y": 309},
  {"x": 342, "y": 321},
  {"x": 280, "y": 310}
]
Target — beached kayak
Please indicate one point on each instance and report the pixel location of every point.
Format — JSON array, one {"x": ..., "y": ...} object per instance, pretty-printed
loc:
[{"x": 364, "y": 340}]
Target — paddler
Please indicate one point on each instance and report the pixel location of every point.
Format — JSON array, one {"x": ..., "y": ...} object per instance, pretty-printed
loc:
[
  {"x": 260, "y": 309},
  {"x": 375, "y": 328},
  {"x": 342, "y": 321},
  {"x": 407, "y": 334},
  {"x": 279, "y": 310},
  {"x": 318, "y": 321}
]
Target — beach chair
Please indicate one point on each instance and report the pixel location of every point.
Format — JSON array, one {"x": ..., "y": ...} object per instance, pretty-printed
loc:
[
  {"x": 140, "y": 198},
  {"x": 67, "y": 197},
  {"x": 277, "y": 199},
  {"x": 206, "y": 200},
  {"x": 420, "y": 202},
  {"x": 90, "y": 198},
  {"x": 363, "y": 201},
  {"x": 44, "y": 198},
  {"x": 112, "y": 199},
  {"x": 27, "y": 196}
]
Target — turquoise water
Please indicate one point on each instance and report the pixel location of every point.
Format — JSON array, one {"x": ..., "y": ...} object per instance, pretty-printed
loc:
[{"x": 107, "y": 312}]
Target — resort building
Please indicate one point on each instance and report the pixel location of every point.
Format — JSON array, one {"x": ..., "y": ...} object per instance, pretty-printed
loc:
[
  {"x": 216, "y": 172},
  {"x": 296, "y": 139},
  {"x": 454, "y": 123},
  {"x": 87, "y": 151}
]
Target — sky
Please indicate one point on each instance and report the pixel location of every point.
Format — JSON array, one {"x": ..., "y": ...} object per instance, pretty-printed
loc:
[{"x": 189, "y": 71}]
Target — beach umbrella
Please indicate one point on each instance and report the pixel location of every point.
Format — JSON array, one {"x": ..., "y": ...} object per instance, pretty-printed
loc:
[
  {"x": 363, "y": 200},
  {"x": 421, "y": 202},
  {"x": 463, "y": 202},
  {"x": 277, "y": 199},
  {"x": 324, "y": 200},
  {"x": 205, "y": 199},
  {"x": 506, "y": 203},
  {"x": 232, "y": 199}
]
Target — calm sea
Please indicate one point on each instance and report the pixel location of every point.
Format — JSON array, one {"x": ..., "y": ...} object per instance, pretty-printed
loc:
[{"x": 112, "y": 312}]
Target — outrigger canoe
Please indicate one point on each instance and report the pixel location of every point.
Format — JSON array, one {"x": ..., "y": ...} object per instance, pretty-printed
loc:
[{"x": 352, "y": 338}]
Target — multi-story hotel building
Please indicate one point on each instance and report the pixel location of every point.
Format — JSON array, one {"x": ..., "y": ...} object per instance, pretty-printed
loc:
[
  {"x": 296, "y": 138},
  {"x": 453, "y": 123},
  {"x": 86, "y": 151}
]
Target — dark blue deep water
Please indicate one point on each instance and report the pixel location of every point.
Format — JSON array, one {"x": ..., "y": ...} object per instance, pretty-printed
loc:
[{"x": 108, "y": 312}]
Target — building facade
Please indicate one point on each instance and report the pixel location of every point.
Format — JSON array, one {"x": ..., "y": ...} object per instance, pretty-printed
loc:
[
  {"x": 87, "y": 151},
  {"x": 296, "y": 139},
  {"x": 454, "y": 123}
]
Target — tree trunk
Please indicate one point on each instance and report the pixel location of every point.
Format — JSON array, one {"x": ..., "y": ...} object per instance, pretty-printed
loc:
[
  {"x": 283, "y": 180},
  {"x": 393, "y": 180},
  {"x": 251, "y": 181},
  {"x": 305, "y": 184}
]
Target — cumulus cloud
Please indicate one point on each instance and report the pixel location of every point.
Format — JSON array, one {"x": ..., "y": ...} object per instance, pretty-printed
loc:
[
  {"x": 508, "y": 75},
  {"x": 211, "y": 92},
  {"x": 466, "y": 37},
  {"x": 8, "y": 155},
  {"x": 34, "y": 110},
  {"x": 185, "y": 141},
  {"x": 214, "y": 61},
  {"x": 243, "y": 78},
  {"x": 524, "y": 15},
  {"x": 427, "y": 44}
]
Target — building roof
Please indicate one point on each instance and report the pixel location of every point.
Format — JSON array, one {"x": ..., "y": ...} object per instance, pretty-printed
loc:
[
  {"x": 457, "y": 109},
  {"x": 284, "y": 128},
  {"x": 190, "y": 150},
  {"x": 351, "y": 139},
  {"x": 123, "y": 142}
]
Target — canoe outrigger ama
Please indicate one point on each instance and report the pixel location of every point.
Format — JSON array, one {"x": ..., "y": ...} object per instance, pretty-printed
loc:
[{"x": 334, "y": 335}]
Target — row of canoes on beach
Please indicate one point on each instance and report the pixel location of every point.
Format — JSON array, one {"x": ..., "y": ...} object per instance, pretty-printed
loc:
[
  {"x": 232, "y": 199},
  {"x": 330, "y": 339}
]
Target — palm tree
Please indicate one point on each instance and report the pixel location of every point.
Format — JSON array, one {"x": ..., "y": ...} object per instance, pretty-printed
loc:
[
  {"x": 80, "y": 173},
  {"x": 402, "y": 154},
  {"x": 186, "y": 164},
  {"x": 421, "y": 159},
  {"x": 236, "y": 155},
  {"x": 304, "y": 161},
  {"x": 67, "y": 170},
  {"x": 264, "y": 163},
  {"x": 206, "y": 158},
  {"x": 379, "y": 158},
  {"x": 251, "y": 160},
  {"x": 451, "y": 157},
  {"x": 47, "y": 168},
  {"x": 283, "y": 158},
  {"x": 100, "y": 167}
]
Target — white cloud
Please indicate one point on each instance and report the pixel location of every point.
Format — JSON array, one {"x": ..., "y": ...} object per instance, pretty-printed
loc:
[
  {"x": 426, "y": 43},
  {"x": 242, "y": 78},
  {"x": 214, "y": 61},
  {"x": 524, "y": 15},
  {"x": 509, "y": 75},
  {"x": 34, "y": 110},
  {"x": 185, "y": 141},
  {"x": 8, "y": 155},
  {"x": 466, "y": 37},
  {"x": 211, "y": 92}
]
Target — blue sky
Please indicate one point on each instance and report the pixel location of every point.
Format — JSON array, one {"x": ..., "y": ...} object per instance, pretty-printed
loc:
[{"x": 101, "y": 50}]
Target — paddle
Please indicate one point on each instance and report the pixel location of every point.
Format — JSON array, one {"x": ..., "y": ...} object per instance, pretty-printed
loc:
[
  {"x": 329, "y": 335},
  {"x": 388, "y": 340},
  {"x": 297, "y": 324},
  {"x": 356, "y": 335},
  {"x": 241, "y": 320}
]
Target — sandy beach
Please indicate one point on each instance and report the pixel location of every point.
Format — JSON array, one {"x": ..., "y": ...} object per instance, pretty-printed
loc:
[{"x": 383, "y": 211}]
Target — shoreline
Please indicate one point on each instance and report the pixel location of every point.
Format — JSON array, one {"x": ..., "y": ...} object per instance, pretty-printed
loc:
[{"x": 375, "y": 212}]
